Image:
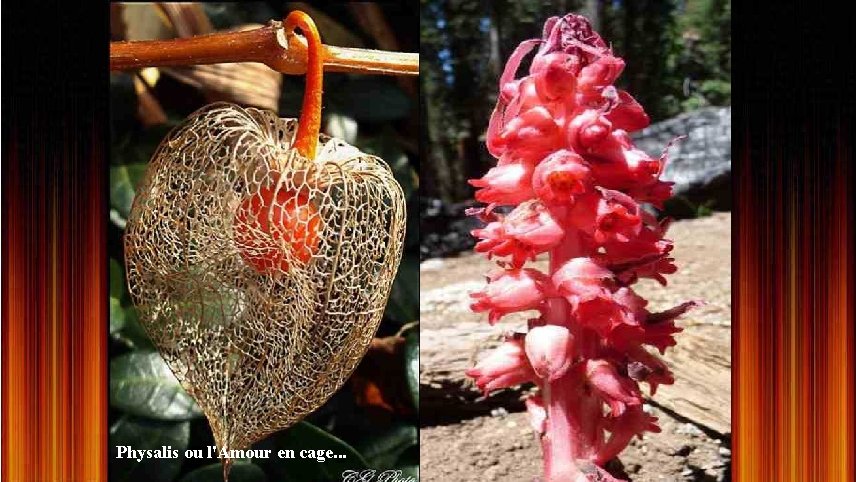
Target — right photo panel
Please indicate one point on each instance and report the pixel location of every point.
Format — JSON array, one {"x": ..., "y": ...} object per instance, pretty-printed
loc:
[{"x": 575, "y": 274}]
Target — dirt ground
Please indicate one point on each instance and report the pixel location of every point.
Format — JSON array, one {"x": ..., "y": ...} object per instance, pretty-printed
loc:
[{"x": 495, "y": 445}]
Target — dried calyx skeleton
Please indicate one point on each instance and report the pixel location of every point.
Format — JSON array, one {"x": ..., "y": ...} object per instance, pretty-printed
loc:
[{"x": 260, "y": 256}]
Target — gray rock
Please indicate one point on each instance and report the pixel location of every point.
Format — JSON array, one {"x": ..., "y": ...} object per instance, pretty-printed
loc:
[{"x": 700, "y": 165}]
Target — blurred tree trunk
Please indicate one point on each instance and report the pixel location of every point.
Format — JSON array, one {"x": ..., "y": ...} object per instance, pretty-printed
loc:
[{"x": 592, "y": 10}]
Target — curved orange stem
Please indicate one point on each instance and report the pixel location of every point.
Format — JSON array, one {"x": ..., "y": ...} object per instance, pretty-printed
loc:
[{"x": 309, "y": 124}]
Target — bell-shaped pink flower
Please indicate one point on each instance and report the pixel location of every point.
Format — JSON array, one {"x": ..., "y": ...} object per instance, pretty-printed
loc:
[
  {"x": 617, "y": 164},
  {"x": 603, "y": 315},
  {"x": 506, "y": 184},
  {"x": 649, "y": 368},
  {"x": 631, "y": 302},
  {"x": 560, "y": 177},
  {"x": 550, "y": 350},
  {"x": 526, "y": 232},
  {"x": 531, "y": 135},
  {"x": 580, "y": 280},
  {"x": 627, "y": 114},
  {"x": 555, "y": 75},
  {"x": 506, "y": 366},
  {"x": 618, "y": 217},
  {"x": 588, "y": 130},
  {"x": 644, "y": 256},
  {"x": 616, "y": 390},
  {"x": 597, "y": 76},
  {"x": 510, "y": 291}
]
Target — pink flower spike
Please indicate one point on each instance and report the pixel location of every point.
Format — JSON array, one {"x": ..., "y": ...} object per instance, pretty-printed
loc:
[
  {"x": 506, "y": 366},
  {"x": 617, "y": 391},
  {"x": 549, "y": 348},
  {"x": 577, "y": 181},
  {"x": 510, "y": 291}
]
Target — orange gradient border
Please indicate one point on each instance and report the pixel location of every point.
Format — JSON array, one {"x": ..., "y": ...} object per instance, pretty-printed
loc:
[
  {"x": 54, "y": 328},
  {"x": 793, "y": 340}
]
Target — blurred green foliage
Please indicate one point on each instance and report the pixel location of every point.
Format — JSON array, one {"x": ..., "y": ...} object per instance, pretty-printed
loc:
[
  {"x": 148, "y": 407},
  {"x": 677, "y": 54}
]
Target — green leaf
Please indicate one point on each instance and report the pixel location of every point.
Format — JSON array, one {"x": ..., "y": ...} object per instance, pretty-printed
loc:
[
  {"x": 123, "y": 102},
  {"x": 241, "y": 472},
  {"x": 143, "y": 434},
  {"x": 123, "y": 183},
  {"x": 305, "y": 436},
  {"x": 403, "y": 304},
  {"x": 117, "y": 315},
  {"x": 409, "y": 473},
  {"x": 411, "y": 358},
  {"x": 132, "y": 333},
  {"x": 142, "y": 384},
  {"x": 387, "y": 148},
  {"x": 117, "y": 280},
  {"x": 383, "y": 451}
]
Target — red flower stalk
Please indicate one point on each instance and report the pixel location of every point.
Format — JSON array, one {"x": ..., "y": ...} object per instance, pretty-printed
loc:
[{"x": 568, "y": 165}]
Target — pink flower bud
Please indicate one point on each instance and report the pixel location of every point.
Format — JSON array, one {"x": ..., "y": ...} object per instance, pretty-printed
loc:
[
  {"x": 510, "y": 291},
  {"x": 506, "y": 366},
  {"x": 574, "y": 35},
  {"x": 549, "y": 348}
]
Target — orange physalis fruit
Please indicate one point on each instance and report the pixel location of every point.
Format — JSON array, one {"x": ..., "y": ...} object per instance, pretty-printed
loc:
[{"x": 274, "y": 227}]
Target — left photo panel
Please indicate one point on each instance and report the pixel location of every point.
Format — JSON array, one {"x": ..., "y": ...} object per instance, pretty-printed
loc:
[{"x": 263, "y": 242}]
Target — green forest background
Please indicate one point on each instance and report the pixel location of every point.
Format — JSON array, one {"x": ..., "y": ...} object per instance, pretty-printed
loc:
[{"x": 677, "y": 54}]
